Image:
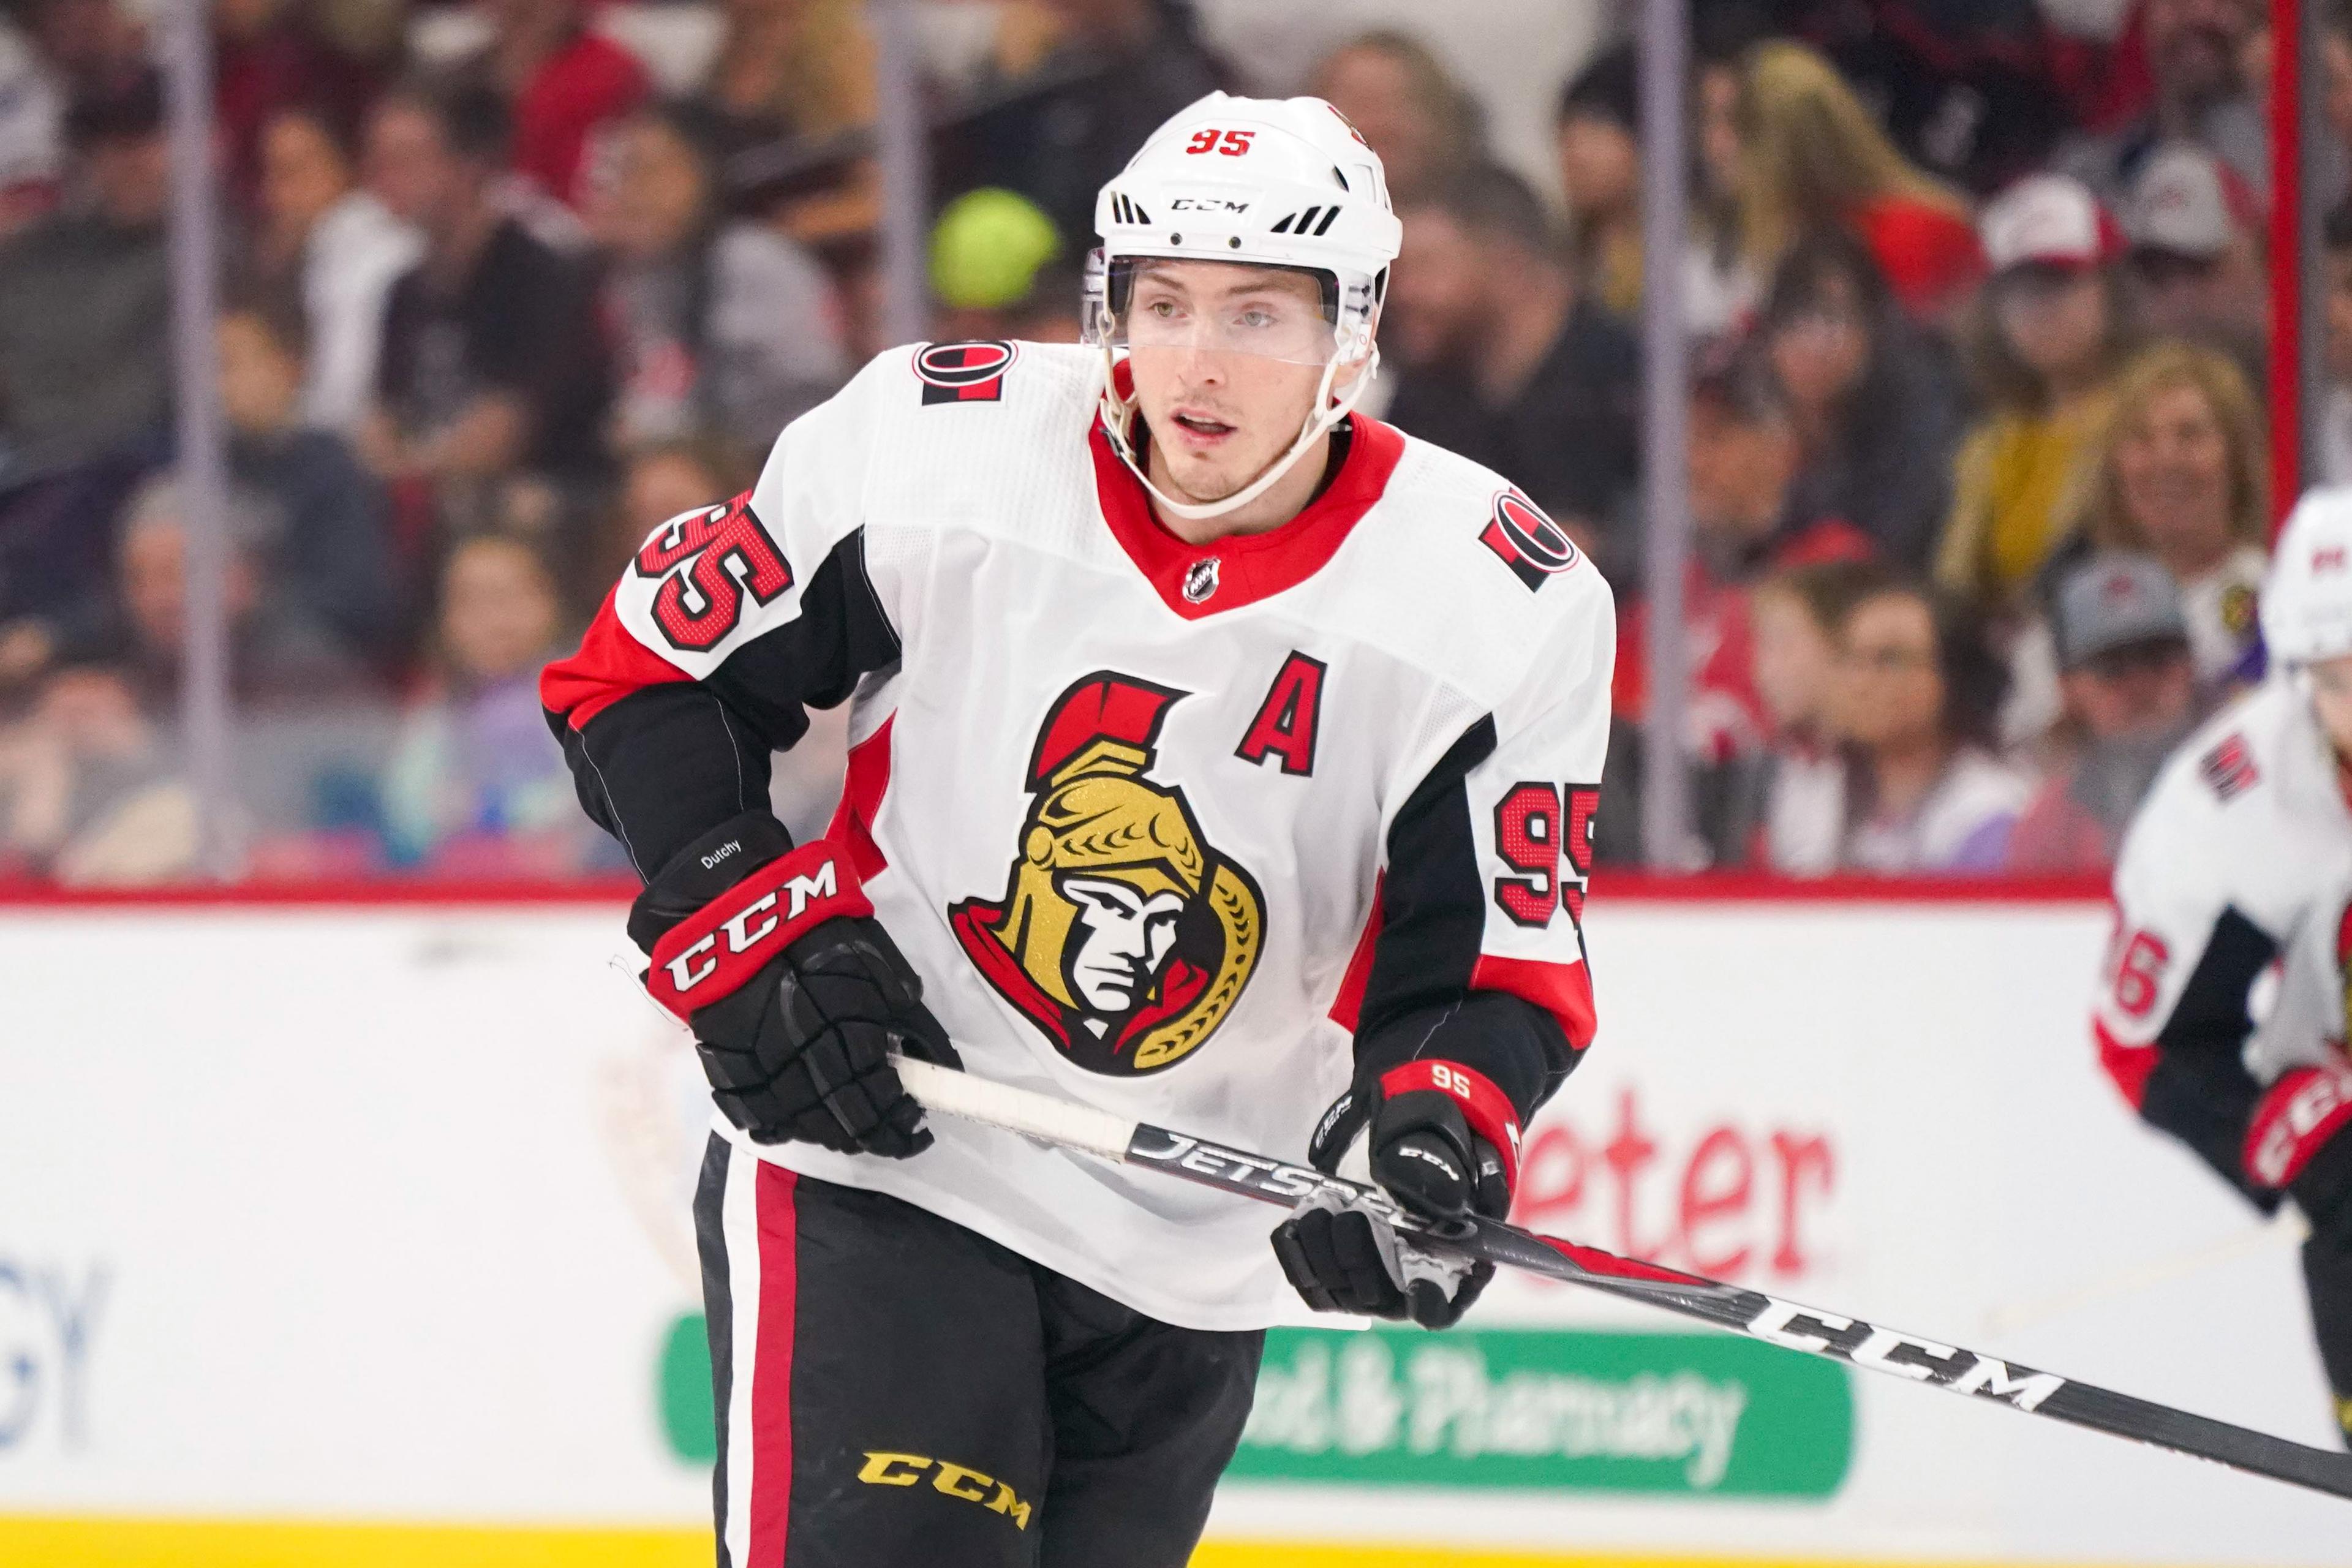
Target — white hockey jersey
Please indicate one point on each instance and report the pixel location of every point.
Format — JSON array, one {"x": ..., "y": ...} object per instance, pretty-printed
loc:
[
  {"x": 2234, "y": 896},
  {"x": 1156, "y": 823}
]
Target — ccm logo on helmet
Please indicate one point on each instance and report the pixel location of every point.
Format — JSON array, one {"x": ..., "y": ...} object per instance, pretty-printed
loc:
[
  {"x": 1532, "y": 545},
  {"x": 1207, "y": 204},
  {"x": 963, "y": 373},
  {"x": 685, "y": 973}
]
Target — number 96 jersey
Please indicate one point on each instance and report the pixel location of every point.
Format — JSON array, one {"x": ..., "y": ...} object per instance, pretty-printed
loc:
[
  {"x": 1160, "y": 825},
  {"x": 2233, "y": 924}
]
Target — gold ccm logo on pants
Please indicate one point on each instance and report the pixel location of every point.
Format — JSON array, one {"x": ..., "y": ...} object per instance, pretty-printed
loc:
[{"x": 959, "y": 1481}]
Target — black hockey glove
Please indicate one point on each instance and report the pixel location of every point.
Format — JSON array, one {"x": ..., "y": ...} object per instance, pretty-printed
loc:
[
  {"x": 2300, "y": 1139},
  {"x": 795, "y": 994},
  {"x": 1444, "y": 1142}
]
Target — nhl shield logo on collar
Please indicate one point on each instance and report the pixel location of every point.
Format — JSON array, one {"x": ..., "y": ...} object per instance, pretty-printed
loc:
[
  {"x": 1532, "y": 545},
  {"x": 1200, "y": 580}
]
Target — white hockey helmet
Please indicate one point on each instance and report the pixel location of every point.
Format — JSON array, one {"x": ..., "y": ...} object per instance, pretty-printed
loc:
[
  {"x": 2307, "y": 602},
  {"x": 1265, "y": 182}
]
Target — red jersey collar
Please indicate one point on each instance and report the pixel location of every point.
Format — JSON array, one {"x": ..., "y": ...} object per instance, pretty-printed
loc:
[{"x": 1199, "y": 580}]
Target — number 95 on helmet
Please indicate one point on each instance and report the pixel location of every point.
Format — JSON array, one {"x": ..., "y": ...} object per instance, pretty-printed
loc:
[{"x": 1252, "y": 182}]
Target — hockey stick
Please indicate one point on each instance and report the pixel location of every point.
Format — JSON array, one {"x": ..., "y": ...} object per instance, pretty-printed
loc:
[{"x": 1744, "y": 1311}]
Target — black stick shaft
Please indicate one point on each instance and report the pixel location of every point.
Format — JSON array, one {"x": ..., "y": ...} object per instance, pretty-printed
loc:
[{"x": 1774, "y": 1320}]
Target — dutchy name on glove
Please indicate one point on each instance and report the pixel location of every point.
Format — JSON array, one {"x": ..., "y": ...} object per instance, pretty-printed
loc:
[{"x": 720, "y": 947}]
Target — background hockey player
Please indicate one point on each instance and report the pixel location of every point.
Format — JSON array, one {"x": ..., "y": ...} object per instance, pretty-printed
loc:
[
  {"x": 2225, "y": 1012},
  {"x": 1217, "y": 757}
]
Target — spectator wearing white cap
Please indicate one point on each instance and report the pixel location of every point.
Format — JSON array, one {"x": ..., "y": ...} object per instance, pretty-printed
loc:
[
  {"x": 2131, "y": 693},
  {"x": 2051, "y": 331},
  {"x": 2196, "y": 260}
]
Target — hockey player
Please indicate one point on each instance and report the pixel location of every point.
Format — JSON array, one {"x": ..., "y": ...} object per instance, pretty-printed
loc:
[
  {"x": 1218, "y": 757},
  {"x": 2224, "y": 1010}
]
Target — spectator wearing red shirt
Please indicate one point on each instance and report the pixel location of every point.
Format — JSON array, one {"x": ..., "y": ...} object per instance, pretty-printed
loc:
[
  {"x": 560, "y": 83},
  {"x": 1813, "y": 157}
]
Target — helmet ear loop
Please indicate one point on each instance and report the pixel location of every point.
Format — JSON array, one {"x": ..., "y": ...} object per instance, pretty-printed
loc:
[
  {"x": 1323, "y": 415},
  {"x": 1117, "y": 413}
]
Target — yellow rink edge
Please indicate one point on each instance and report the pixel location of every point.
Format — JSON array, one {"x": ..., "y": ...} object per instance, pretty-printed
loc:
[{"x": 85, "y": 1541}]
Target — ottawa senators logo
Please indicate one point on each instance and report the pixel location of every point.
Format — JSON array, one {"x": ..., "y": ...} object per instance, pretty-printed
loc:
[
  {"x": 1532, "y": 545},
  {"x": 1123, "y": 933},
  {"x": 964, "y": 372}
]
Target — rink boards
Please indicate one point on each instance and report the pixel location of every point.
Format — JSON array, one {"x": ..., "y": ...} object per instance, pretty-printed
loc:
[{"x": 359, "y": 1234}]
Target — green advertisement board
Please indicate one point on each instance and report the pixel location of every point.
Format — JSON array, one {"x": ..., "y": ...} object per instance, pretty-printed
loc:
[
  {"x": 1703, "y": 1415},
  {"x": 688, "y": 1420}
]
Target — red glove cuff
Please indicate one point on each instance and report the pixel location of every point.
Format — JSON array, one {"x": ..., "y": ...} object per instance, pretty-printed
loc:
[
  {"x": 1487, "y": 1109},
  {"x": 2295, "y": 1115},
  {"x": 714, "y": 951}
]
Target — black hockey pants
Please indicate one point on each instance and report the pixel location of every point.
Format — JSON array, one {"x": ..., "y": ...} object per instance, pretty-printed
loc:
[{"x": 894, "y": 1391}]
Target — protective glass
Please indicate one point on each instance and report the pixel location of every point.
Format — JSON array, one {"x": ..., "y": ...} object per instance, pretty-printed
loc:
[{"x": 1275, "y": 313}]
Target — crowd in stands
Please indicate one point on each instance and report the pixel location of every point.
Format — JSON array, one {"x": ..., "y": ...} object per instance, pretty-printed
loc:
[{"x": 1978, "y": 471}]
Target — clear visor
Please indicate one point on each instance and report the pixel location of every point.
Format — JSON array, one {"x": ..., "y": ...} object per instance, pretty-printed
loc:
[{"x": 1218, "y": 307}]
